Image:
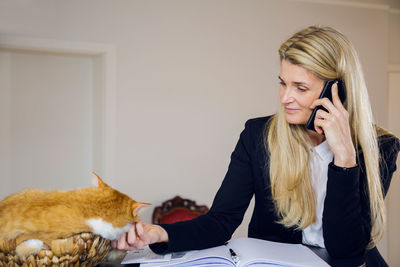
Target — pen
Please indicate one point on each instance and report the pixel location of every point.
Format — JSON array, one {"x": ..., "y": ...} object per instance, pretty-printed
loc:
[{"x": 234, "y": 256}]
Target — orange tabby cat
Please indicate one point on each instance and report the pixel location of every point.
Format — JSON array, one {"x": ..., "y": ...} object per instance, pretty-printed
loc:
[{"x": 35, "y": 217}]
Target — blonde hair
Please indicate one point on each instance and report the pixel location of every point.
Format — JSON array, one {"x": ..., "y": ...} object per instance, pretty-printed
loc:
[{"x": 328, "y": 54}]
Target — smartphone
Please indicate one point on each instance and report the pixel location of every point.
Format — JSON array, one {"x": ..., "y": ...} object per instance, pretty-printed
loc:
[{"x": 327, "y": 92}]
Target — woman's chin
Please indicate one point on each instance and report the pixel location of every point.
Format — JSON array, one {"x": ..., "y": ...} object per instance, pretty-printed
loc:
[{"x": 295, "y": 119}]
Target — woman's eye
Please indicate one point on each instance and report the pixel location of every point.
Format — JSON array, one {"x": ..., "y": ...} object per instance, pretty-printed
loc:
[
  {"x": 282, "y": 83},
  {"x": 302, "y": 89}
]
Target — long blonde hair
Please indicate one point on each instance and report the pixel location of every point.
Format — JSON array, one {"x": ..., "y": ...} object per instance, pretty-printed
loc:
[{"x": 328, "y": 54}]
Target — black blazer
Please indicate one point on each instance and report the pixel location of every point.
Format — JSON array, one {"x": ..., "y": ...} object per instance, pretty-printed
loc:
[{"x": 346, "y": 217}]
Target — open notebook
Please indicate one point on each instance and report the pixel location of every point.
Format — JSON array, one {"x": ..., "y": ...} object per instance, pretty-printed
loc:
[{"x": 239, "y": 252}]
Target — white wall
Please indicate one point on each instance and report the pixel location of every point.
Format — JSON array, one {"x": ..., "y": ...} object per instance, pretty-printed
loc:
[{"x": 189, "y": 74}]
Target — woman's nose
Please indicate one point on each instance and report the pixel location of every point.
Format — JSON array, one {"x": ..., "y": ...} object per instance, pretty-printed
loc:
[{"x": 286, "y": 96}]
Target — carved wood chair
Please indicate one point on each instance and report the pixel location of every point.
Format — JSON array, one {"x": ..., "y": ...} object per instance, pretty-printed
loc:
[{"x": 177, "y": 209}]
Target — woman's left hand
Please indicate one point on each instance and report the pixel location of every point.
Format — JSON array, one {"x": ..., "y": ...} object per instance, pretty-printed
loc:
[{"x": 335, "y": 125}]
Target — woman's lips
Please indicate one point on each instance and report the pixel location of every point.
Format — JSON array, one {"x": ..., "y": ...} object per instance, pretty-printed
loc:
[{"x": 291, "y": 110}]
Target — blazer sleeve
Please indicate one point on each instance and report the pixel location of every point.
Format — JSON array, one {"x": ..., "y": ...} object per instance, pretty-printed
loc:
[
  {"x": 228, "y": 208},
  {"x": 346, "y": 216}
]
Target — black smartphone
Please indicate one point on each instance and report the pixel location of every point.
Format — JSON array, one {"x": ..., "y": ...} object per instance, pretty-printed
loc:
[{"x": 327, "y": 92}]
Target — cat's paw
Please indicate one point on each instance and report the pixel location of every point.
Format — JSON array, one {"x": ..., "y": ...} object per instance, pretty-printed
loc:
[{"x": 29, "y": 247}]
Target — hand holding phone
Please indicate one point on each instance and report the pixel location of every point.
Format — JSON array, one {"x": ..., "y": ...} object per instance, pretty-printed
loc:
[{"x": 327, "y": 92}]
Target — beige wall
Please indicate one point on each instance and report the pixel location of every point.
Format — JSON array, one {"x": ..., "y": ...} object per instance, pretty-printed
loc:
[{"x": 189, "y": 74}]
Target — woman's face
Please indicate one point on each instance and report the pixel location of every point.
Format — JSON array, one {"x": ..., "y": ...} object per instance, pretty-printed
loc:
[{"x": 298, "y": 90}]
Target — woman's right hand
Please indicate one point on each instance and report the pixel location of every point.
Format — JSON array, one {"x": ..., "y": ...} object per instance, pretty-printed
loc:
[{"x": 140, "y": 235}]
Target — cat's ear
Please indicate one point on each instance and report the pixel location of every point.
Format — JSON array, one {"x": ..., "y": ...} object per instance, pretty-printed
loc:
[
  {"x": 96, "y": 181},
  {"x": 138, "y": 206}
]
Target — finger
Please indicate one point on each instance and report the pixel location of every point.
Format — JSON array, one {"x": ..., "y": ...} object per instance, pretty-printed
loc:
[
  {"x": 143, "y": 233},
  {"x": 132, "y": 238},
  {"x": 325, "y": 102},
  {"x": 140, "y": 245},
  {"x": 336, "y": 99},
  {"x": 335, "y": 96},
  {"x": 335, "y": 115},
  {"x": 322, "y": 114},
  {"x": 122, "y": 242},
  {"x": 114, "y": 243},
  {"x": 133, "y": 248},
  {"x": 318, "y": 125},
  {"x": 139, "y": 229}
]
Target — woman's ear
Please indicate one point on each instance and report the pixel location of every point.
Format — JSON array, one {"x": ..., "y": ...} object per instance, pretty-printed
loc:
[{"x": 96, "y": 181}]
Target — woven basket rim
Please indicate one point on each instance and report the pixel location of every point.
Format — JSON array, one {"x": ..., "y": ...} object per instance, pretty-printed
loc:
[{"x": 85, "y": 248}]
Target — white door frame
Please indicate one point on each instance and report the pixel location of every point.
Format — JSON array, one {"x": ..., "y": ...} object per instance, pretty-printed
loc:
[
  {"x": 106, "y": 54},
  {"x": 393, "y": 230}
]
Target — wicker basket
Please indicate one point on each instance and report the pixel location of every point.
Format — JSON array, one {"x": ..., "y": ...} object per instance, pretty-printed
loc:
[{"x": 85, "y": 249}]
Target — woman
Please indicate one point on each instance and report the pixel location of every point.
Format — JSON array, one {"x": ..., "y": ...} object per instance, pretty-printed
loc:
[{"x": 323, "y": 188}]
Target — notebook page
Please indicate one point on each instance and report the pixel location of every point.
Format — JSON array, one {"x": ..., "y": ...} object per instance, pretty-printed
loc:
[
  {"x": 216, "y": 256},
  {"x": 144, "y": 255},
  {"x": 252, "y": 250}
]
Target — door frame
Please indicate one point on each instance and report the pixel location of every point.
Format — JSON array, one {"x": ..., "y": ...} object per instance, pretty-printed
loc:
[
  {"x": 106, "y": 55},
  {"x": 393, "y": 220}
]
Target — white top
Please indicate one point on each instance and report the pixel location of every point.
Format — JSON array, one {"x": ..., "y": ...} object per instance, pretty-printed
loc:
[{"x": 320, "y": 157}]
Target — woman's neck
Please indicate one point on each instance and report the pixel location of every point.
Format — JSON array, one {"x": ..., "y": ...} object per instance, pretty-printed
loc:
[{"x": 315, "y": 138}]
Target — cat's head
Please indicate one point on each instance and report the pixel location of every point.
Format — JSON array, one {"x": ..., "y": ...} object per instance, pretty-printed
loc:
[{"x": 127, "y": 207}]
